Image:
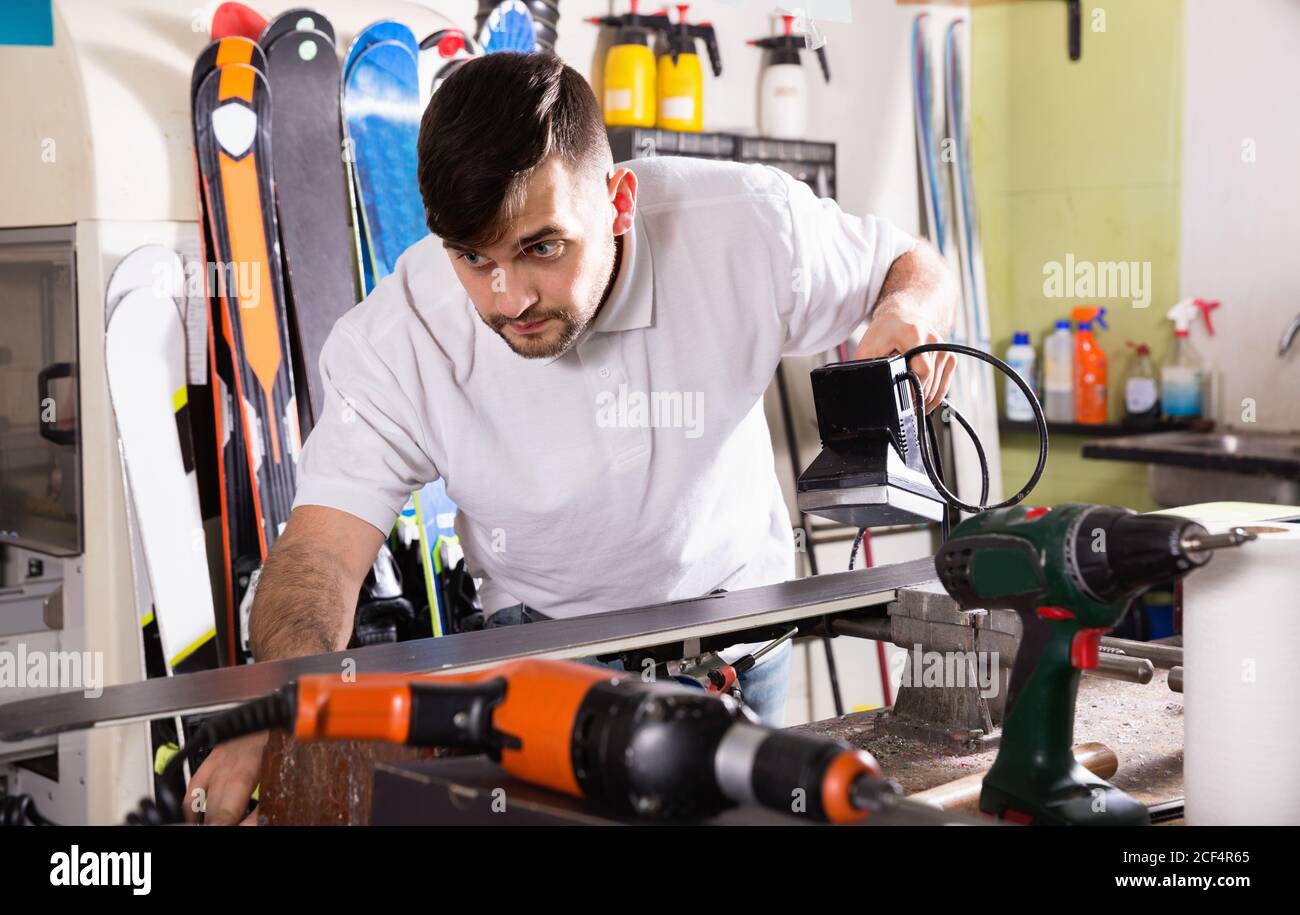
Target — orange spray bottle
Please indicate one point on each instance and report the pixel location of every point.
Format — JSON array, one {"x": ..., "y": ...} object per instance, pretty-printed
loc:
[{"x": 1090, "y": 388}]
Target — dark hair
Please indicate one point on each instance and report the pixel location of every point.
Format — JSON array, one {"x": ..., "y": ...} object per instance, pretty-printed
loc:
[{"x": 489, "y": 125}]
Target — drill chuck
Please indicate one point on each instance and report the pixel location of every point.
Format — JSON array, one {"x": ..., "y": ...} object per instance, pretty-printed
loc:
[
  {"x": 1116, "y": 554},
  {"x": 670, "y": 753}
]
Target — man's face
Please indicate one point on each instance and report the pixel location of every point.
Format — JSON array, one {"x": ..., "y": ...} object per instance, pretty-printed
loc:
[{"x": 542, "y": 284}]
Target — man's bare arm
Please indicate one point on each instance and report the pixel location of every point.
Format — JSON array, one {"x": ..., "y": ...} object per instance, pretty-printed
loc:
[
  {"x": 307, "y": 592},
  {"x": 918, "y": 304}
]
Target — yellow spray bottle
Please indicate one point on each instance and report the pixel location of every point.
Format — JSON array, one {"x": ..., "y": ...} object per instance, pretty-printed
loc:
[
  {"x": 630, "y": 68},
  {"x": 681, "y": 79}
]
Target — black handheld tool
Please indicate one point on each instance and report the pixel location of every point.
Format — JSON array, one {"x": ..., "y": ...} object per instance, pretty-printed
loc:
[{"x": 880, "y": 460}]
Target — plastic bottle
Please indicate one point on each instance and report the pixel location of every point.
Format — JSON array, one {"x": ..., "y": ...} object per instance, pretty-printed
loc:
[
  {"x": 1020, "y": 356},
  {"x": 1090, "y": 388},
  {"x": 1058, "y": 374},
  {"x": 681, "y": 79},
  {"x": 1141, "y": 389},
  {"x": 630, "y": 74},
  {"x": 1182, "y": 377},
  {"x": 783, "y": 93}
]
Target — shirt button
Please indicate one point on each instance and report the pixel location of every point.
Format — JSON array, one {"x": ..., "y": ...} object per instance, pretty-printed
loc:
[{"x": 604, "y": 372}]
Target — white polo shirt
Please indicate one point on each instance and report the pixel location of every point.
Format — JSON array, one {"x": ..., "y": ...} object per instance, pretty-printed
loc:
[{"x": 637, "y": 467}]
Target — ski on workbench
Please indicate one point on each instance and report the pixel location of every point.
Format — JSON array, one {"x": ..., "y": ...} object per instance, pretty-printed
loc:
[{"x": 808, "y": 598}]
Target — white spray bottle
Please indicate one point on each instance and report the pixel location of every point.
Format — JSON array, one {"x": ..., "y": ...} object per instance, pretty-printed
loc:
[
  {"x": 783, "y": 95},
  {"x": 1183, "y": 389}
]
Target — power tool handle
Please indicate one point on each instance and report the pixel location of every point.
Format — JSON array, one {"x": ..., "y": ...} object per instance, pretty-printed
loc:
[{"x": 1035, "y": 638}]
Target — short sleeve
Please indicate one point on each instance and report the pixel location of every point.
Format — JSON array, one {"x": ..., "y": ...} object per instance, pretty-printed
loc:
[
  {"x": 367, "y": 452},
  {"x": 839, "y": 266}
]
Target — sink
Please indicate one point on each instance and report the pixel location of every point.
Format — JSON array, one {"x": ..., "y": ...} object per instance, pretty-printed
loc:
[
  {"x": 1240, "y": 444},
  {"x": 1190, "y": 467}
]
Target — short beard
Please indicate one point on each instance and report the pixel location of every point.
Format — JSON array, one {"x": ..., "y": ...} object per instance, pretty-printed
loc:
[
  {"x": 529, "y": 346},
  {"x": 571, "y": 326}
]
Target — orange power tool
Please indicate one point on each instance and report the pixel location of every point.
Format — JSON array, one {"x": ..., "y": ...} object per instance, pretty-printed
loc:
[{"x": 658, "y": 750}]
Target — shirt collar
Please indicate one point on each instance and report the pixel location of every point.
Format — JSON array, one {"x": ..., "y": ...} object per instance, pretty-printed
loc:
[{"x": 630, "y": 305}]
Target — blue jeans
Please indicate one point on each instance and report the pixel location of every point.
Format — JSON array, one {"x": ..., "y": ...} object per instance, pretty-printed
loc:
[{"x": 765, "y": 688}]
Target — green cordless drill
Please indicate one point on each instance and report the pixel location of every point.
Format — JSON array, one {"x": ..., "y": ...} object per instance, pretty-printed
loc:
[{"x": 1070, "y": 572}]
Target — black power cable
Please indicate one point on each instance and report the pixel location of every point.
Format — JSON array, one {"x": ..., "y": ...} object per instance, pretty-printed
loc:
[
  {"x": 928, "y": 442},
  {"x": 928, "y": 458},
  {"x": 20, "y": 810},
  {"x": 276, "y": 710}
]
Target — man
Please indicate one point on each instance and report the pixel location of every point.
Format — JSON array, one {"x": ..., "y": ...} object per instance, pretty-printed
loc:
[{"x": 580, "y": 351}]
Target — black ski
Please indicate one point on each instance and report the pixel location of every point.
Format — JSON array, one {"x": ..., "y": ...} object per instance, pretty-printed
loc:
[{"x": 311, "y": 197}]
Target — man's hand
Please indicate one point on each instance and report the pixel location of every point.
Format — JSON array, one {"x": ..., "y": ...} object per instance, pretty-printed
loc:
[
  {"x": 897, "y": 326},
  {"x": 305, "y": 601},
  {"x": 918, "y": 304},
  {"x": 220, "y": 789}
]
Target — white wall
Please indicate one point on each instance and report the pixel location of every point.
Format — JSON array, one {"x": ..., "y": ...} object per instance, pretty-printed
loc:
[
  {"x": 1239, "y": 218},
  {"x": 866, "y": 108}
]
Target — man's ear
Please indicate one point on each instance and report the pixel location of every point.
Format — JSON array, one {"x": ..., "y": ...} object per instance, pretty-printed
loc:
[{"x": 622, "y": 198}]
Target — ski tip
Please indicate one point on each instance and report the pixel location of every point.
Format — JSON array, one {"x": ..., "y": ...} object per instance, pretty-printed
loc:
[
  {"x": 297, "y": 19},
  {"x": 233, "y": 49},
  {"x": 237, "y": 19},
  {"x": 374, "y": 33}
]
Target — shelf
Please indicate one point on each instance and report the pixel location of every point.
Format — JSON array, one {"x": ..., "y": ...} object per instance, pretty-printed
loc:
[{"x": 1107, "y": 430}]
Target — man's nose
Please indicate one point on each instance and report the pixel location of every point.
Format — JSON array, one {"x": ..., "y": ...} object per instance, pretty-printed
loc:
[{"x": 513, "y": 295}]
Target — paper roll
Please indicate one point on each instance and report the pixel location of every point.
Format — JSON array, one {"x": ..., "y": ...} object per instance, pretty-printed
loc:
[{"x": 1241, "y": 696}]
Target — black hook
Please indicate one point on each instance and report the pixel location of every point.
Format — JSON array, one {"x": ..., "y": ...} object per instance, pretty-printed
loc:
[{"x": 1074, "y": 14}]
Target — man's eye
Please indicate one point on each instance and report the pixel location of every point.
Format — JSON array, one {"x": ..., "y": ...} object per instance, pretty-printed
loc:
[
  {"x": 474, "y": 260},
  {"x": 547, "y": 249}
]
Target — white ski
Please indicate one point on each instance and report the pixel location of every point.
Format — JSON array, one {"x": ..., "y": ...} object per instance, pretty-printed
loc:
[{"x": 145, "y": 360}]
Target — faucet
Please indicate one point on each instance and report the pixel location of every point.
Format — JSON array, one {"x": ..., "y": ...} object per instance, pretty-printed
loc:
[{"x": 1288, "y": 337}]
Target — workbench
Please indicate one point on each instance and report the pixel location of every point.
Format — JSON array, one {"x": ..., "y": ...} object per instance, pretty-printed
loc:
[
  {"x": 1143, "y": 724},
  {"x": 331, "y": 783}
]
